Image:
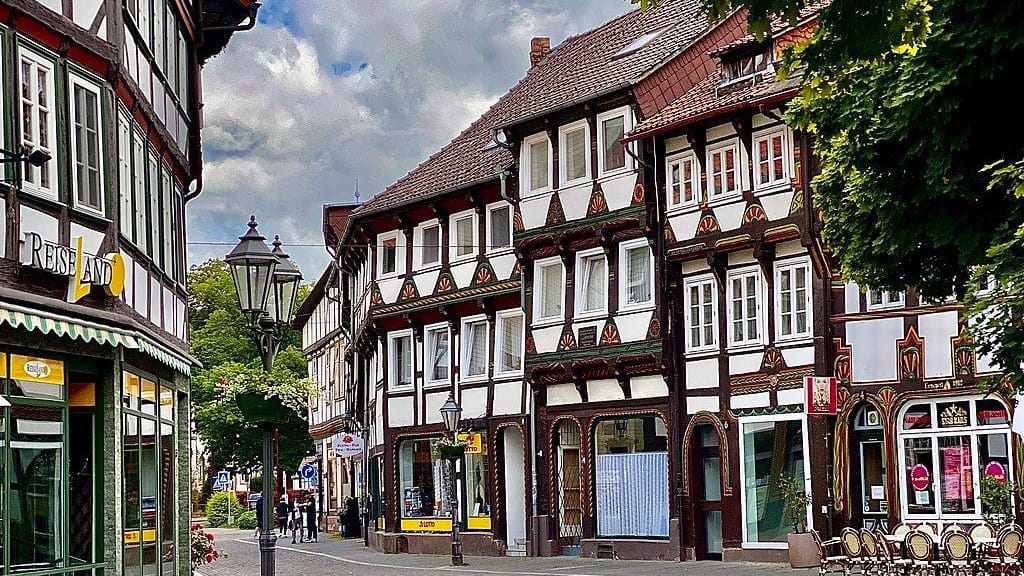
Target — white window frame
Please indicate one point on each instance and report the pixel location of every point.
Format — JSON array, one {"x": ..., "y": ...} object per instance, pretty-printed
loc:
[
  {"x": 393, "y": 360},
  {"x": 420, "y": 243},
  {"x": 623, "y": 275},
  {"x": 499, "y": 342},
  {"x": 397, "y": 237},
  {"x": 581, "y": 285},
  {"x": 934, "y": 432},
  {"x": 743, "y": 475},
  {"x": 721, "y": 148},
  {"x": 465, "y": 351},
  {"x": 126, "y": 200},
  {"x": 627, "y": 125},
  {"x": 699, "y": 281},
  {"x": 887, "y": 302},
  {"x": 526, "y": 177},
  {"x": 745, "y": 272},
  {"x": 491, "y": 248},
  {"x": 538, "y": 291},
  {"x": 563, "y": 158},
  {"x": 428, "y": 354},
  {"x": 681, "y": 159},
  {"x": 792, "y": 265},
  {"x": 453, "y": 236},
  {"x": 39, "y": 61},
  {"x": 787, "y": 157}
]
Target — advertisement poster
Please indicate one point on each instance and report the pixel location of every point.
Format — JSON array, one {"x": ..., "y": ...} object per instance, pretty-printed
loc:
[
  {"x": 957, "y": 480},
  {"x": 821, "y": 395}
]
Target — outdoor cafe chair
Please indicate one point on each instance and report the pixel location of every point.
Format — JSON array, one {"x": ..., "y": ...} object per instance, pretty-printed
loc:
[
  {"x": 983, "y": 530},
  {"x": 956, "y": 553},
  {"x": 901, "y": 529},
  {"x": 918, "y": 548},
  {"x": 872, "y": 563},
  {"x": 1005, "y": 558},
  {"x": 891, "y": 561},
  {"x": 852, "y": 547},
  {"x": 830, "y": 555}
]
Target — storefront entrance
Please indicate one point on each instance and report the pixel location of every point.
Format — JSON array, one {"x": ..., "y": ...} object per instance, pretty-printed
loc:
[
  {"x": 570, "y": 490},
  {"x": 706, "y": 469},
  {"x": 871, "y": 473}
]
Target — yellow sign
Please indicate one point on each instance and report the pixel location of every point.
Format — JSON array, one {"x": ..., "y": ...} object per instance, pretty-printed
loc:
[
  {"x": 3, "y": 365},
  {"x": 83, "y": 270},
  {"x": 474, "y": 443},
  {"x": 426, "y": 525},
  {"x": 33, "y": 369},
  {"x": 953, "y": 416},
  {"x": 132, "y": 536},
  {"x": 478, "y": 523}
]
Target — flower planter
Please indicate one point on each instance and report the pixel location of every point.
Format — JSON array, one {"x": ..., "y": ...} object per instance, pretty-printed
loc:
[
  {"x": 803, "y": 552},
  {"x": 450, "y": 452},
  {"x": 261, "y": 410}
]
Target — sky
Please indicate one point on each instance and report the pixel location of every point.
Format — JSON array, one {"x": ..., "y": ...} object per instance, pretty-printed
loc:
[{"x": 323, "y": 92}]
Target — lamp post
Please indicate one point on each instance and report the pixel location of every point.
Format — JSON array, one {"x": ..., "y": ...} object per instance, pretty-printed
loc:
[
  {"x": 451, "y": 413},
  {"x": 265, "y": 283}
]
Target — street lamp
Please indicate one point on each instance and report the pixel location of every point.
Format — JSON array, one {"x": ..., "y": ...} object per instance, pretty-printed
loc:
[
  {"x": 451, "y": 413},
  {"x": 265, "y": 283}
]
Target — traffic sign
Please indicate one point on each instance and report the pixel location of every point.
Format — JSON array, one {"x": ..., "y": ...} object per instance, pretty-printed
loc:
[
  {"x": 307, "y": 471},
  {"x": 222, "y": 481}
]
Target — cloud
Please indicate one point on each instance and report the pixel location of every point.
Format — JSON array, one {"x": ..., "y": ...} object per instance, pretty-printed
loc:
[{"x": 324, "y": 92}]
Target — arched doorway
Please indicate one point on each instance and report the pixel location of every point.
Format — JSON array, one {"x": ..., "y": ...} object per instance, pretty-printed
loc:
[
  {"x": 870, "y": 471},
  {"x": 515, "y": 491},
  {"x": 568, "y": 480},
  {"x": 706, "y": 491}
]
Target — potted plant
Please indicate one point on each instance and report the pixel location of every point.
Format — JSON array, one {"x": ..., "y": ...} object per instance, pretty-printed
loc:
[
  {"x": 269, "y": 398},
  {"x": 997, "y": 494},
  {"x": 448, "y": 449},
  {"x": 803, "y": 552}
]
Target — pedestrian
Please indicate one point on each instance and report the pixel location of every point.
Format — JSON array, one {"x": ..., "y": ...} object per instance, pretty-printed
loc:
[
  {"x": 311, "y": 519},
  {"x": 297, "y": 523},
  {"x": 282, "y": 515},
  {"x": 259, "y": 517}
]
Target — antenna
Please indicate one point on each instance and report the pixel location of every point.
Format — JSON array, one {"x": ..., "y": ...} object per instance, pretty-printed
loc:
[{"x": 357, "y": 190}]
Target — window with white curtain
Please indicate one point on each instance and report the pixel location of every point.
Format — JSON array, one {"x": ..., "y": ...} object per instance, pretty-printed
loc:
[
  {"x": 535, "y": 168},
  {"x": 549, "y": 289},
  {"x": 437, "y": 354},
  {"x": 637, "y": 274},
  {"x": 592, "y": 282},
  {"x": 86, "y": 152},
  {"x": 465, "y": 235},
  {"x": 430, "y": 249},
  {"x": 611, "y": 128},
  {"x": 700, "y": 304},
  {"x": 510, "y": 345},
  {"x": 631, "y": 481},
  {"x": 793, "y": 299},
  {"x": 401, "y": 360},
  {"x": 573, "y": 152},
  {"x": 744, "y": 297},
  {"x": 474, "y": 348}
]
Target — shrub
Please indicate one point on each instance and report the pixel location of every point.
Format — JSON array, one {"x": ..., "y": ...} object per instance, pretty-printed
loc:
[
  {"x": 247, "y": 521},
  {"x": 217, "y": 508}
]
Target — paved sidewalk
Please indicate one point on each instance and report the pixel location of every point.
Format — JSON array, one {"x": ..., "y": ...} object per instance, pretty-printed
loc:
[{"x": 332, "y": 556}]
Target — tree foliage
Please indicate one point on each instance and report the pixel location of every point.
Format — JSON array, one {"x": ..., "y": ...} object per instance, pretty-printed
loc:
[
  {"x": 221, "y": 340},
  {"x": 912, "y": 105}
]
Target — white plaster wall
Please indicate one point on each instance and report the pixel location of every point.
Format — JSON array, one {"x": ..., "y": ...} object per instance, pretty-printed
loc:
[
  {"x": 508, "y": 398},
  {"x": 791, "y": 396},
  {"x": 575, "y": 199},
  {"x": 38, "y": 222},
  {"x": 696, "y": 404},
  {"x": 720, "y": 131},
  {"x": 546, "y": 339},
  {"x": 677, "y": 144},
  {"x": 129, "y": 279},
  {"x": 702, "y": 373},
  {"x": 425, "y": 282},
  {"x": 750, "y": 401},
  {"x": 651, "y": 386},
  {"x": 389, "y": 289},
  {"x": 730, "y": 216},
  {"x": 434, "y": 403},
  {"x": 141, "y": 279},
  {"x": 168, "y": 317},
  {"x": 618, "y": 190},
  {"x": 463, "y": 273},
  {"x": 874, "y": 348},
  {"x": 534, "y": 210},
  {"x": 684, "y": 226},
  {"x": 776, "y": 206},
  {"x": 84, "y": 11},
  {"x": 745, "y": 363},
  {"x": 937, "y": 331},
  {"x": 474, "y": 402},
  {"x": 633, "y": 327},
  {"x": 741, "y": 257},
  {"x": 400, "y": 411},
  {"x": 3, "y": 228},
  {"x": 852, "y": 300},
  {"x": 602, "y": 390},
  {"x": 695, "y": 266},
  {"x": 54, "y": 5},
  {"x": 791, "y": 248},
  {"x": 559, "y": 394},
  {"x": 503, "y": 264},
  {"x": 801, "y": 356}
]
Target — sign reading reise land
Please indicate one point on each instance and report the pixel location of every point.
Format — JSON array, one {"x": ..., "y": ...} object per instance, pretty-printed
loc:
[{"x": 84, "y": 270}]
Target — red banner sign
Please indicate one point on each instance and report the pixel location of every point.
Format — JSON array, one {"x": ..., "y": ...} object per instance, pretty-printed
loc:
[
  {"x": 996, "y": 470},
  {"x": 920, "y": 477}
]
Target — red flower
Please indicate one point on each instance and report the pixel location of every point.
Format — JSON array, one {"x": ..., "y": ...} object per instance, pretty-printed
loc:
[
  {"x": 209, "y": 537},
  {"x": 209, "y": 558},
  {"x": 196, "y": 526}
]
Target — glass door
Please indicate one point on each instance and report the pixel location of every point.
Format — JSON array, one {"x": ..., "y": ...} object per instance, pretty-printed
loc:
[{"x": 710, "y": 493}]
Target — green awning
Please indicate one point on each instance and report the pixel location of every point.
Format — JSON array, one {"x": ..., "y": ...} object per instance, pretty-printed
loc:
[{"x": 75, "y": 329}]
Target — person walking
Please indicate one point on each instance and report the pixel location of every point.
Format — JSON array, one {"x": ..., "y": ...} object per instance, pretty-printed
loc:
[
  {"x": 297, "y": 523},
  {"x": 311, "y": 519},
  {"x": 282, "y": 515},
  {"x": 259, "y": 517}
]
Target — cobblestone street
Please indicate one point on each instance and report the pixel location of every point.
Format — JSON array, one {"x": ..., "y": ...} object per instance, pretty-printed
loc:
[{"x": 332, "y": 556}]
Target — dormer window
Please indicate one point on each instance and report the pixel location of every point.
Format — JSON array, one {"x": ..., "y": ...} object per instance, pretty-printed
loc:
[{"x": 742, "y": 67}]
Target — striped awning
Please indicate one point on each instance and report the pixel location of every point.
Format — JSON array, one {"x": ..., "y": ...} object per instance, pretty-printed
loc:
[{"x": 90, "y": 332}]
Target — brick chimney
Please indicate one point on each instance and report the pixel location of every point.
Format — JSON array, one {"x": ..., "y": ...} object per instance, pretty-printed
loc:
[{"x": 539, "y": 48}]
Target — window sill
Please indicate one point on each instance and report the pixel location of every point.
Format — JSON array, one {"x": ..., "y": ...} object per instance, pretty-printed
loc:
[
  {"x": 388, "y": 276},
  {"x": 745, "y": 346},
  {"x": 883, "y": 307},
  {"x": 772, "y": 188},
  {"x": 433, "y": 266},
  {"x": 608, "y": 174},
  {"x": 508, "y": 375},
  {"x": 701, "y": 353},
  {"x": 400, "y": 389},
  {"x": 36, "y": 194},
  {"x": 547, "y": 322},
  {"x": 501, "y": 251},
  {"x": 724, "y": 199},
  {"x": 95, "y": 215},
  {"x": 456, "y": 260},
  {"x": 436, "y": 384},
  {"x": 590, "y": 314},
  {"x": 795, "y": 339},
  {"x": 576, "y": 182},
  {"x": 642, "y": 307},
  {"x": 473, "y": 379},
  {"x": 682, "y": 209}
]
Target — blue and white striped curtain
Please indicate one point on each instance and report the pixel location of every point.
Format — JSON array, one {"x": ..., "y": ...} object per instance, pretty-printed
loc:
[{"x": 632, "y": 494}]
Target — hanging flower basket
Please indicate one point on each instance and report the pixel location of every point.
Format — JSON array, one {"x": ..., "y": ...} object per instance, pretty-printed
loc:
[
  {"x": 448, "y": 450},
  {"x": 260, "y": 409}
]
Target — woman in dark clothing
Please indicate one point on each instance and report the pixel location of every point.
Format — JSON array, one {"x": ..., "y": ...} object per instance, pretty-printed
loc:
[
  {"x": 311, "y": 520},
  {"x": 282, "y": 516}
]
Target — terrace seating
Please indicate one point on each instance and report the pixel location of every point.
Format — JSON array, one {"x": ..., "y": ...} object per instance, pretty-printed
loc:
[
  {"x": 956, "y": 553},
  {"x": 1005, "y": 557},
  {"x": 918, "y": 546},
  {"x": 830, "y": 555},
  {"x": 853, "y": 549}
]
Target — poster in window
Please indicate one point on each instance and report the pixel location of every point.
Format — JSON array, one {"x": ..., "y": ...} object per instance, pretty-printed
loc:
[
  {"x": 997, "y": 471},
  {"x": 821, "y": 395}
]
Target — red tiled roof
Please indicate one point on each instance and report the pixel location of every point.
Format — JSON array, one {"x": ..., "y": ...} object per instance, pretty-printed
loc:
[
  {"x": 706, "y": 98},
  {"x": 581, "y": 67},
  {"x": 778, "y": 25}
]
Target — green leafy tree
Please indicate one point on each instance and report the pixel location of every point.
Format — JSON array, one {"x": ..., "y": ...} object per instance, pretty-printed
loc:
[{"x": 913, "y": 108}]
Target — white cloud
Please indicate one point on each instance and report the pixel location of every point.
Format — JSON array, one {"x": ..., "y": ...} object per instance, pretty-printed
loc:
[{"x": 324, "y": 92}]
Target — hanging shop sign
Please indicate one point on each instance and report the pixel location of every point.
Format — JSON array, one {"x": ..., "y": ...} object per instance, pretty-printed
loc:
[
  {"x": 821, "y": 394},
  {"x": 348, "y": 445},
  {"x": 83, "y": 270},
  {"x": 996, "y": 471},
  {"x": 920, "y": 477},
  {"x": 474, "y": 443}
]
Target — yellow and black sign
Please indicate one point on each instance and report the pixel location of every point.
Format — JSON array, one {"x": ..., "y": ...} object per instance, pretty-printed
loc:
[
  {"x": 32, "y": 369},
  {"x": 84, "y": 270},
  {"x": 426, "y": 525},
  {"x": 132, "y": 536},
  {"x": 474, "y": 443}
]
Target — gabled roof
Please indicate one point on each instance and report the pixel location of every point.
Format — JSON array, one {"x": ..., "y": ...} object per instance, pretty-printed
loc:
[
  {"x": 777, "y": 25},
  {"x": 580, "y": 68}
]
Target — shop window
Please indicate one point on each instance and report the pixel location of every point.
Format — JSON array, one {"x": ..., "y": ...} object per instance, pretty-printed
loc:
[
  {"x": 918, "y": 462},
  {"x": 770, "y": 449},
  {"x": 991, "y": 413},
  {"x": 476, "y": 474},
  {"x": 631, "y": 477},
  {"x": 918, "y": 417},
  {"x": 956, "y": 482},
  {"x": 423, "y": 481},
  {"x": 36, "y": 505},
  {"x": 36, "y": 378},
  {"x": 953, "y": 414}
]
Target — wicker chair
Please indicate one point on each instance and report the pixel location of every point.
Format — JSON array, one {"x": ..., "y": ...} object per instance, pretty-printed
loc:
[
  {"x": 831, "y": 560},
  {"x": 918, "y": 547},
  {"x": 983, "y": 530},
  {"x": 891, "y": 562},
  {"x": 901, "y": 529},
  {"x": 956, "y": 553},
  {"x": 852, "y": 547},
  {"x": 1005, "y": 559},
  {"x": 872, "y": 564}
]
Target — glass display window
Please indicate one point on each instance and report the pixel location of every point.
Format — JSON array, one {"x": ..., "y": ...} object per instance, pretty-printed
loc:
[
  {"x": 423, "y": 481},
  {"x": 771, "y": 446},
  {"x": 631, "y": 476}
]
